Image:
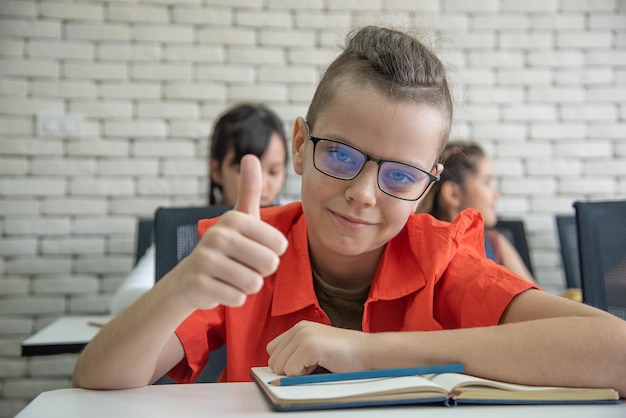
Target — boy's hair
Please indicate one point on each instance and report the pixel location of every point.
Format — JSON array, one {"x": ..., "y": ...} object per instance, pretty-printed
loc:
[
  {"x": 394, "y": 63},
  {"x": 460, "y": 160},
  {"x": 245, "y": 129}
]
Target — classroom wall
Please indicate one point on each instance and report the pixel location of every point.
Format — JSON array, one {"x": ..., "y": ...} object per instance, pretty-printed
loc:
[{"x": 540, "y": 83}]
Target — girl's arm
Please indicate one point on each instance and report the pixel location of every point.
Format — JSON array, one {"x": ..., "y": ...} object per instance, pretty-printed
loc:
[{"x": 512, "y": 260}]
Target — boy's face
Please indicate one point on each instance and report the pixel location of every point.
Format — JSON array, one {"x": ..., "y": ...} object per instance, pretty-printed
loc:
[{"x": 355, "y": 217}]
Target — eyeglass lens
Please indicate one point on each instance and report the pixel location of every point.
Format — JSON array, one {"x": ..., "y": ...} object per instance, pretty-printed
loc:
[{"x": 345, "y": 162}]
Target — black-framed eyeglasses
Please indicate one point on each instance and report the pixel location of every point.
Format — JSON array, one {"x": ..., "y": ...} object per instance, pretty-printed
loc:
[{"x": 344, "y": 162}]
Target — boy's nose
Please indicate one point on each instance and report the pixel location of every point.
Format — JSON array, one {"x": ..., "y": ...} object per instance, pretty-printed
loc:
[{"x": 363, "y": 188}]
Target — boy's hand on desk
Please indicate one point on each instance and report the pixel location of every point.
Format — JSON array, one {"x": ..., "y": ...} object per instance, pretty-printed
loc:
[
  {"x": 235, "y": 254},
  {"x": 309, "y": 345}
]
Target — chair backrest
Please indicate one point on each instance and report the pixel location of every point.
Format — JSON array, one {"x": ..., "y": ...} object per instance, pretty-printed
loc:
[
  {"x": 515, "y": 231},
  {"x": 144, "y": 237},
  {"x": 602, "y": 251},
  {"x": 568, "y": 238},
  {"x": 176, "y": 233},
  {"x": 175, "y": 236}
]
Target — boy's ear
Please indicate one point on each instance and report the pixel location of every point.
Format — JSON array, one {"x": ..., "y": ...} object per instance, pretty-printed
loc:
[
  {"x": 297, "y": 144},
  {"x": 215, "y": 172}
]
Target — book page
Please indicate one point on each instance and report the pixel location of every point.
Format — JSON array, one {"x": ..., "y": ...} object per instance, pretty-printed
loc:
[{"x": 348, "y": 388}]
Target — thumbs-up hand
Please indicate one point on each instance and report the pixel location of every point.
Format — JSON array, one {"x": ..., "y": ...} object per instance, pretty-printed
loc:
[{"x": 234, "y": 255}]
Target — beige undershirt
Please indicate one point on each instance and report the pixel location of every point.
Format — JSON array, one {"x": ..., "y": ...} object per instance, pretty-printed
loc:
[{"x": 343, "y": 307}]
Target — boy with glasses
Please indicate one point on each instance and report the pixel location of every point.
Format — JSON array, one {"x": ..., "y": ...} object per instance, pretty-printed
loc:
[{"x": 350, "y": 278}]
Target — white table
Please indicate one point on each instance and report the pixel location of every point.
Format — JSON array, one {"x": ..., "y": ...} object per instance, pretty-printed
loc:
[
  {"x": 225, "y": 400},
  {"x": 68, "y": 334}
]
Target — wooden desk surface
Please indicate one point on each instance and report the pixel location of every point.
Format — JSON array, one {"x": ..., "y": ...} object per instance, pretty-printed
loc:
[{"x": 245, "y": 400}]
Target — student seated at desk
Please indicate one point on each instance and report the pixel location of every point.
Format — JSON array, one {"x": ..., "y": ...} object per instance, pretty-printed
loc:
[
  {"x": 467, "y": 182},
  {"x": 243, "y": 129},
  {"x": 351, "y": 278}
]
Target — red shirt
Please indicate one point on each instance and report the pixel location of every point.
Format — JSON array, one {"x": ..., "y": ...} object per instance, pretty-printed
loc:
[{"x": 433, "y": 275}]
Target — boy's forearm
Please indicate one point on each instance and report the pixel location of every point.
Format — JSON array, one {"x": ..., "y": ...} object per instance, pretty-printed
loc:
[
  {"x": 126, "y": 351},
  {"x": 567, "y": 351}
]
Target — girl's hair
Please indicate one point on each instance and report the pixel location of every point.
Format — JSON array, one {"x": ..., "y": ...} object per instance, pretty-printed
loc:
[
  {"x": 394, "y": 63},
  {"x": 245, "y": 129},
  {"x": 460, "y": 160}
]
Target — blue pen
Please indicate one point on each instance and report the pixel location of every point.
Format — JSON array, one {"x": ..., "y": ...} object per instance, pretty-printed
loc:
[{"x": 367, "y": 374}]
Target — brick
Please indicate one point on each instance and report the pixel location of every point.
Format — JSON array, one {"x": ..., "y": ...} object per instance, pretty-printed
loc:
[
  {"x": 556, "y": 95},
  {"x": 136, "y": 128},
  {"x": 225, "y": 73},
  {"x": 167, "y": 110},
  {"x": 470, "y": 112},
  {"x": 603, "y": 94},
  {"x": 90, "y": 305},
  {"x": 262, "y": 93},
  {"x": 73, "y": 11},
  {"x": 508, "y": 167},
  {"x": 97, "y": 148},
  {"x": 597, "y": 149},
  {"x": 588, "y": 6},
  {"x": 184, "y": 167},
  {"x": 290, "y": 74},
  {"x": 28, "y": 206},
  {"x": 302, "y": 4},
  {"x": 97, "y": 265},
  {"x": 16, "y": 125},
  {"x": 126, "y": 90},
  {"x": 104, "y": 226},
  {"x": 31, "y": 187},
  {"x": 29, "y": 68},
  {"x": 249, "y": 4},
  {"x": 95, "y": 71},
  {"x": 526, "y": 186},
  {"x": 329, "y": 20},
  {"x": 615, "y": 167},
  {"x": 607, "y": 131},
  {"x": 287, "y": 38},
  {"x": 30, "y": 28},
  {"x": 194, "y": 53},
  {"x": 526, "y": 40},
  {"x": 37, "y": 226},
  {"x": 32, "y": 305},
  {"x": 608, "y": 21},
  {"x": 500, "y": 131},
  {"x": 64, "y": 89},
  {"x": 13, "y": 166},
  {"x": 166, "y": 187},
  {"x": 558, "y": 21},
  {"x": 226, "y": 36},
  {"x": 257, "y": 55},
  {"x": 101, "y": 187},
  {"x": 500, "y": 22},
  {"x": 554, "y": 167},
  {"x": 189, "y": 129},
  {"x": 529, "y": 6},
  {"x": 160, "y": 72},
  {"x": 494, "y": 95},
  {"x": 15, "y": 325},
  {"x": 524, "y": 76},
  {"x": 529, "y": 113},
  {"x": 16, "y": 88},
  {"x": 74, "y": 206},
  {"x": 128, "y": 52},
  {"x": 72, "y": 245},
  {"x": 559, "y": 130},
  {"x": 584, "y": 39},
  {"x": 202, "y": 15},
  {"x": 30, "y": 107},
  {"x": 477, "y": 40},
  {"x": 590, "y": 186},
  {"x": 136, "y": 206},
  {"x": 264, "y": 19},
  {"x": 443, "y": 22},
  {"x": 11, "y": 47},
  {"x": 60, "y": 50},
  {"x": 595, "y": 112},
  {"x": 10, "y": 347},
  {"x": 138, "y": 13},
  {"x": 62, "y": 167},
  {"x": 98, "y": 31},
  {"x": 18, "y": 246},
  {"x": 552, "y": 204},
  {"x": 18, "y": 8},
  {"x": 12, "y": 368},
  {"x": 163, "y": 33},
  {"x": 318, "y": 57},
  {"x": 129, "y": 167},
  {"x": 390, "y": 19},
  {"x": 196, "y": 91},
  {"x": 102, "y": 109},
  {"x": 529, "y": 150},
  {"x": 471, "y": 6},
  {"x": 495, "y": 59},
  {"x": 63, "y": 285},
  {"x": 170, "y": 148}
]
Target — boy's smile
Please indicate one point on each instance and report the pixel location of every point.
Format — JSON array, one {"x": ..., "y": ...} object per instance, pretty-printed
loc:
[{"x": 351, "y": 220}]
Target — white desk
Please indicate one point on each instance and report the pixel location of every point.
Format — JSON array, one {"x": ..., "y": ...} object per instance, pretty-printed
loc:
[
  {"x": 68, "y": 334},
  {"x": 225, "y": 400}
]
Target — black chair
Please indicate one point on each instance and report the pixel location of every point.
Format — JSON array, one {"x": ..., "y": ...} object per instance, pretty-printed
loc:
[
  {"x": 175, "y": 236},
  {"x": 144, "y": 237},
  {"x": 568, "y": 238},
  {"x": 602, "y": 251},
  {"x": 515, "y": 231}
]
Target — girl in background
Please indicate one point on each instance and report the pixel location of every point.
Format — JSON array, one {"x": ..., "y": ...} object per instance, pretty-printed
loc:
[
  {"x": 467, "y": 182},
  {"x": 244, "y": 129}
]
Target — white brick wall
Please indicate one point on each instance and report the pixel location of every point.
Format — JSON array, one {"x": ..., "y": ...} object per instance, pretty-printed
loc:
[{"x": 541, "y": 84}]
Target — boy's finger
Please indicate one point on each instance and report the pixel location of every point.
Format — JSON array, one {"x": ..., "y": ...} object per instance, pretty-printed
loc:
[{"x": 250, "y": 186}]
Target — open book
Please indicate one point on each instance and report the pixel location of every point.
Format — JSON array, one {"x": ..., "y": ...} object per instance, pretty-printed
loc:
[{"x": 447, "y": 388}]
